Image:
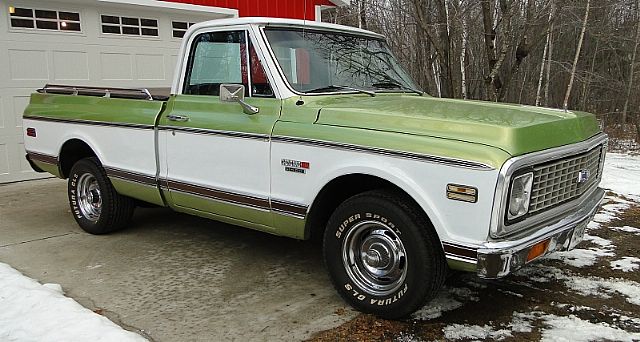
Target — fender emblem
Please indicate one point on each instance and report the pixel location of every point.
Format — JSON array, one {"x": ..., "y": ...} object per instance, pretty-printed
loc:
[
  {"x": 583, "y": 176},
  {"x": 295, "y": 165}
]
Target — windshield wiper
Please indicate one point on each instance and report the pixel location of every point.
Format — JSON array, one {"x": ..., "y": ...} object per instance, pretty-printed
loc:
[
  {"x": 334, "y": 86},
  {"x": 386, "y": 84}
]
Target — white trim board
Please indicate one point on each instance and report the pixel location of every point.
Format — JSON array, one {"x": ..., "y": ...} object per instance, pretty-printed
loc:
[{"x": 230, "y": 13}]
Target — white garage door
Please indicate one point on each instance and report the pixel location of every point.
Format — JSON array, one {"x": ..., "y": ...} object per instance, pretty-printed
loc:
[{"x": 96, "y": 43}]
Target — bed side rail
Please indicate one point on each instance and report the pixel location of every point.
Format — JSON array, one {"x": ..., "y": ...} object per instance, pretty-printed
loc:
[{"x": 106, "y": 92}]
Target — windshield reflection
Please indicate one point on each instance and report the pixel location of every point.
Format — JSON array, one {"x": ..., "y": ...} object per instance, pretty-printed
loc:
[{"x": 319, "y": 62}]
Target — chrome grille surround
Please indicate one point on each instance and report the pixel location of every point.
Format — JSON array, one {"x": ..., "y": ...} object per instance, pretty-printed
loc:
[
  {"x": 563, "y": 180},
  {"x": 499, "y": 227}
]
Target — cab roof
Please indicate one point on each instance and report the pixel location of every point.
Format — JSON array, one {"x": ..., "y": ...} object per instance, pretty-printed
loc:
[{"x": 278, "y": 22}]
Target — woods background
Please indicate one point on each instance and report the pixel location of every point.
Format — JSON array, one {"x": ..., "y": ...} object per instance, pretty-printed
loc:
[{"x": 575, "y": 54}]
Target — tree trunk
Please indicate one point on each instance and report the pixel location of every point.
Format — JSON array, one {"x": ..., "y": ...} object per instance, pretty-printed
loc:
[
  {"x": 446, "y": 75},
  {"x": 489, "y": 44},
  {"x": 362, "y": 15},
  {"x": 631, "y": 73},
  {"x": 549, "y": 59},
  {"x": 587, "y": 83},
  {"x": 544, "y": 57},
  {"x": 577, "y": 57},
  {"x": 463, "y": 53}
]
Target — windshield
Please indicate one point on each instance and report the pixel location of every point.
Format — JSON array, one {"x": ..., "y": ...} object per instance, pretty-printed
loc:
[{"x": 317, "y": 62}]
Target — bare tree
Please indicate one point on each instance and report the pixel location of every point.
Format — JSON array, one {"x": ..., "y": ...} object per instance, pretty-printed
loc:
[
  {"x": 575, "y": 60},
  {"x": 631, "y": 72}
]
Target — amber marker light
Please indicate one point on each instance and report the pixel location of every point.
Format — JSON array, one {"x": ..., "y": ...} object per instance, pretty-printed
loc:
[
  {"x": 538, "y": 249},
  {"x": 12, "y": 10}
]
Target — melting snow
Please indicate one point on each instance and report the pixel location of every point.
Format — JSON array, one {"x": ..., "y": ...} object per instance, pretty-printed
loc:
[
  {"x": 585, "y": 257},
  {"x": 34, "y": 312},
  {"x": 574, "y": 329},
  {"x": 621, "y": 174},
  {"x": 626, "y": 264},
  {"x": 460, "y": 331},
  {"x": 627, "y": 229}
]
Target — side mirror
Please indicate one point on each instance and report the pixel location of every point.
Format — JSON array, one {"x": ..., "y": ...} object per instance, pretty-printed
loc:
[{"x": 235, "y": 93}]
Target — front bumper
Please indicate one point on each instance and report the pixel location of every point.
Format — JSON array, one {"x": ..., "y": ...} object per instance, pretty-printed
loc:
[{"x": 497, "y": 259}]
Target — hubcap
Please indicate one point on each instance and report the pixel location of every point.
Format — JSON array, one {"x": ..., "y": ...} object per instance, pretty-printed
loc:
[
  {"x": 374, "y": 258},
  {"x": 89, "y": 197}
]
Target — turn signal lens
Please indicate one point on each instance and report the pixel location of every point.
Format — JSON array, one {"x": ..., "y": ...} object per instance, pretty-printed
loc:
[{"x": 537, "y": 250}]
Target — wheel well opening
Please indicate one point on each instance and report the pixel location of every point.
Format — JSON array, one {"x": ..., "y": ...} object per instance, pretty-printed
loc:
[
  {"x": 336, "y": 192},
  {"x": 72, "y": 151}
]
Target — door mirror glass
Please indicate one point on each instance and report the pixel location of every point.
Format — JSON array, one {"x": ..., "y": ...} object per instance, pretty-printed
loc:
[
  {"x": 231, "y": 92},
  {"x": 235, "y": 93}
]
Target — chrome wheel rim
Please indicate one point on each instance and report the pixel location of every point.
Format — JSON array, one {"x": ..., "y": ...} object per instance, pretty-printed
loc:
[
  {"x": 374, "y": 258},
  {"x": 89, "y": 197}
]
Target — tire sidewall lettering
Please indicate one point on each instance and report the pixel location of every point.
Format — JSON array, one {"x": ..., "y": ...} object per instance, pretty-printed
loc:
[
  {"x": 348, "y": 222},
  {"x": 73, "y": 196},
  {"x": 379, "y": 301}
]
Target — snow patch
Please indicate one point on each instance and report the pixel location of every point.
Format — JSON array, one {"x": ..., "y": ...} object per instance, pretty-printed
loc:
[
  {"x": 586, "y": 286},
  {"x": 621, "y": 174},
  {"x": 465, "y": 331},
  {"x": 585, "y": 257},
  {"x": 627, "y": 229},
  {"x": 34, "y": 312},
  {"x": 626, "y": 264},
  {"x": 604, "y": 288},
  {"x": 574, "y": 329}
]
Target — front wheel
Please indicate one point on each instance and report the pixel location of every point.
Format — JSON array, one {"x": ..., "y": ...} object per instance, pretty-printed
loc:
[
  {"x": 95, "y": 204},
  {"x": 383, "y": 255}
]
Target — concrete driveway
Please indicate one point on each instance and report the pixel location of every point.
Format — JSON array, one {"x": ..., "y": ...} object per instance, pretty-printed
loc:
[{"x": 171, "y": 277}]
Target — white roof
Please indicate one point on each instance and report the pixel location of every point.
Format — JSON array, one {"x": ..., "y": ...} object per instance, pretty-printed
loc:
[{"x": 277, "y": 22}]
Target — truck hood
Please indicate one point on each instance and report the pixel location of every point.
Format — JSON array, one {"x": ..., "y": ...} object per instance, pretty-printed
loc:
[{"x": 516, "y": 129}]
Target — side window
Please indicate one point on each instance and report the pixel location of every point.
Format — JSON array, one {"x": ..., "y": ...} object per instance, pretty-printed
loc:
[{"x": 221, "y": 58}]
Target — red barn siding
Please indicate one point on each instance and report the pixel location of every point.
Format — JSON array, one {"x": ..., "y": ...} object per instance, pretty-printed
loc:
[{"x": 295, "y": 9}]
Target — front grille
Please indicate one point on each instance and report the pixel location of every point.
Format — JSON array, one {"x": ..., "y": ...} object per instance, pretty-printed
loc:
[{"x": 556, "y": 182}]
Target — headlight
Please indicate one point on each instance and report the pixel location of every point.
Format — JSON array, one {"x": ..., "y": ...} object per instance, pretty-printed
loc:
[{"x": 520, "y": 195}]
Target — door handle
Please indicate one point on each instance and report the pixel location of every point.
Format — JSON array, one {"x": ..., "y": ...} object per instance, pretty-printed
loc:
[{"x": 179, "y": 118}]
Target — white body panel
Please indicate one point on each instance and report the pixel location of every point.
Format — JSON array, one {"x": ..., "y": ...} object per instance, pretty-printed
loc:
[
  {"x": 425, "y": 182},
  {"x": 129, "y": 149},
  {"x": 232, "y": 164}
]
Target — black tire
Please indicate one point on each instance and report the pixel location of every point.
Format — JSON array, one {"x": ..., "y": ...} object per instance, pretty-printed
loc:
[
  {"x": 376, "y": 222},
  {"x": 95, "y": 204}
]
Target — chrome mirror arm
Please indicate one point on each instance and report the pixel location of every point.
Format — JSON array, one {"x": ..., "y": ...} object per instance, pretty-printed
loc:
[{"x": 246, "y": 108}]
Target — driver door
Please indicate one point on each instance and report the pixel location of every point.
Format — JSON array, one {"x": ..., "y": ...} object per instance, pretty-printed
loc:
[{"x": 217, "y": 157}]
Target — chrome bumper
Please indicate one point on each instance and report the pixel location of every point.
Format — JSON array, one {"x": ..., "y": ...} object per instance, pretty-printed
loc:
[{"x": 497, "y": 259}]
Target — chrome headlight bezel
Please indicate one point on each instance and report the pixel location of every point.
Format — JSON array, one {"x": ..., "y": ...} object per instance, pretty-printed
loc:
[{"x": 519, "y": 196}]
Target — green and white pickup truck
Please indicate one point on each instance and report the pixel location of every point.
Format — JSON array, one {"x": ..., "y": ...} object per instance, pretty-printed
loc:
[{"x": 314, "y": 130}]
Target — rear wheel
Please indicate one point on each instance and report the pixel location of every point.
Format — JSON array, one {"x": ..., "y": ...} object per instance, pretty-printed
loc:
[
  {"x": 383, "y": 255},
  {"x": 95, "y": 204}
]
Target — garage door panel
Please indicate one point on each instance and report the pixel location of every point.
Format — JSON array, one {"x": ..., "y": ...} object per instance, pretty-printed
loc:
[
  {"x": 4, "y": 156},
  {"x": 3, "y": 110},
  {"x": 20, "y": 102},
  {"x": 28, "y": 65},
  {"x": 116, "y": 66},
  {"x": 70, "y": 66},
  {"x": 150, "y": 67}
]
